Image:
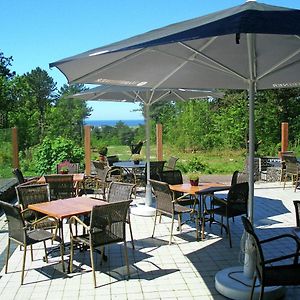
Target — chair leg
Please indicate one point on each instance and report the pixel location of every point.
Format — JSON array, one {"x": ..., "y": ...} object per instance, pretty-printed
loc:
[
  {"x": 229, "y": 234},
  {"x": 23, "y": 265},
  {"x": 253, "y": 286},
  {"x": 197, "y": 226},
  {"x": 262, "y": 290},
  {"x": 130, "y": 229},
  {"x": 31, "y": 252},
  {"x": 46, "y": 256},
  {"x": 126, "y": 258},
  {"x": 71, "y": 255},
  {"x": 179, "y": 222},
  {"x": 171, "y": 234},
  {"x": 221, "y": 224},
  {"x": 154, "y": 223},
  {"x": 285, "y": 177},
  {"x": 62, "y": 256},
  {"x": 296, "y": 182},
  {"x": 7, "y": 255},
  {"x": 92, "y": 263}
]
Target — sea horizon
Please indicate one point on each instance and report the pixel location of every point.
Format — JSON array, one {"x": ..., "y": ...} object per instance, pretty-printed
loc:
[{"x": 99, "y": 123}]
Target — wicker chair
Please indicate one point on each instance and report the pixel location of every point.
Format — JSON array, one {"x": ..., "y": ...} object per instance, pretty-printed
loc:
[
  {"x": 31, "y": 194},
  {"x": 291, "y": 169},
  {"x": 120, "y": 191},
  {"x": 61, "y": 186},
  {"x": 171, "y": 163},
  {"x": 175, "y": 177},
  {"x": 268, "y": 273},
  {"x": 166, "y": 205},
  {"x": 283, "y": 165},
  {"x": 98, "y": 183},
  {"x": 21, "y": 179},
  {"x": 234, "y": 205},
  {"x": 24, "y": 235},
  {"x": 107, "y": 226}
]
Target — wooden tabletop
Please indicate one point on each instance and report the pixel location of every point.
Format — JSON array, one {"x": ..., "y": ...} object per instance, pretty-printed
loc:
[
  {"x": 202, "y": 188},
  {"x": 77, "y": 177},
  {"x": 64, "y": 208}
]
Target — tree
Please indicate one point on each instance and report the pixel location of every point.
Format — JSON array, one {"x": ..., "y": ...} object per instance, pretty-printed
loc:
[
  {"x": 5, "y": 76},
  {"x": 43, "y": 90},
  {"x": 65, "y": 117},
  {"x": 5, "y": 63}
]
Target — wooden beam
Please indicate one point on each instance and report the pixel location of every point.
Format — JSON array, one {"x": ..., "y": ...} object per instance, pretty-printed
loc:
[
  {"x": 87, "y": 149},
  {"x": 284, "y": 136},
  {"x": 159, "y": 144}
]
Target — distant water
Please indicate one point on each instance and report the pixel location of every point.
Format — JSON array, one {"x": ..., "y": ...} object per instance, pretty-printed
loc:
[{"x": 98, "y": 123}]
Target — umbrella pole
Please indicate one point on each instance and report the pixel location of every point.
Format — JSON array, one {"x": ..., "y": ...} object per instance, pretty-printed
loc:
[
  {"x": 236, "y": 282},
  {"x": 148, "y": 199},
  {"x": 146, "y": 210}
]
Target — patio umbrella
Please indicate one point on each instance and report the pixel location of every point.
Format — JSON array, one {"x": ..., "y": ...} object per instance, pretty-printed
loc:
[
  {"x": 244, "y": 47},
  {"x": 251, "y": 46},
  {"x": 148, "y": 97}
]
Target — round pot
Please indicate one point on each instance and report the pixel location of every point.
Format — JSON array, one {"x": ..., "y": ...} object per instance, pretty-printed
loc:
[{"x": 194, "y": 182}]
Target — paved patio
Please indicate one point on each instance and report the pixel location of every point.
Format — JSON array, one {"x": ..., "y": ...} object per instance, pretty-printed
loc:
[{"x": 183, "y": 270}]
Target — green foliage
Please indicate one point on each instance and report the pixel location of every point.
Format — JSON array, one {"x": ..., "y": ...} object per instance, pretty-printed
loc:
[
  {"x": 51, "y": 152},
  {"x": 120, "y": 134},
  {"x": 5, "y": 153},
  {"x": 193, "y": 165}
]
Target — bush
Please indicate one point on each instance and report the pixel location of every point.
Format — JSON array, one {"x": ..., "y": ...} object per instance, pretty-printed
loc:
[{"x": 51, "y": 152}]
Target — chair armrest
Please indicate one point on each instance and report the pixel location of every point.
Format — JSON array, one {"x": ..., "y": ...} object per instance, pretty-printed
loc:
[
  {"x": 283, "y": 257},
  {"x": 282, "y": 236},
  {"x": 74, "y": 219},
  {"x": 217, "y": 200},
  {"x": 43, "y": 219}
]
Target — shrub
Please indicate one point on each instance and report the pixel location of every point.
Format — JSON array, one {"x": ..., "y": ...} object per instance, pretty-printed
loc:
[{"x": 51, "y": 152}]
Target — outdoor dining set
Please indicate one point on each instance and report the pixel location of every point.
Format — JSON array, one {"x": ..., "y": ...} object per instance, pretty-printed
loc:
[{"x": 96, "y": 208}]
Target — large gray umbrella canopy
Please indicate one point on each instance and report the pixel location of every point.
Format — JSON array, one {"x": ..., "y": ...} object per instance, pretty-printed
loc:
[
  {"x": 148, "y": 97},
  {"x": 251, "y": 46},
  {"x": 211, "y": 52}
]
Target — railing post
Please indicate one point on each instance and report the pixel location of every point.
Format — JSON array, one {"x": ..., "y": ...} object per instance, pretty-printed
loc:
[
  {"x": 15, "y": 148},
  {"x": 284, "y": 136},
  {"x": 87, "y": 149},
  {"x": 159, "y": 144}
]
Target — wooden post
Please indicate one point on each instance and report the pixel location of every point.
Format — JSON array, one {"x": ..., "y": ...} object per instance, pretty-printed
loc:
[
  {"x": 284, "y": 136},
  {"x": 87, "y": 149},
  {"x": 159, "y": 144},
  {"x": 15, "y": 148}
]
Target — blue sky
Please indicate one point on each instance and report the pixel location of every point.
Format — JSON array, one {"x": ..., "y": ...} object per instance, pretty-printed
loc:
[{"x": 37, "y": 32}]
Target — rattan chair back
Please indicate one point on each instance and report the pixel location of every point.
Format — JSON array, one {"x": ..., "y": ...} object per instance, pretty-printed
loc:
[
  {"x": 32, "y": 194},
  {"x": 61, "y": 186}
]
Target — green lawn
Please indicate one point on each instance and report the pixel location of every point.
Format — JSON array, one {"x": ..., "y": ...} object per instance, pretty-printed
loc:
[{"x": 216, "y": 162}]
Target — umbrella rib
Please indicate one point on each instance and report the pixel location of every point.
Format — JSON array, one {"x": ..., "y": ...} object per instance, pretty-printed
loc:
[
  {"x": 185, "y": 61},
  {"x": 222, "y": 67},
  {"x": 276, "y": 66},
  {"x": 161, "y": 97},
  {"x": 108, "y": 66}
]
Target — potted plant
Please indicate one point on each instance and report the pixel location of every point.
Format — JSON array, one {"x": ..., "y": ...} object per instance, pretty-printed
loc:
[
  {"x": 64, "y": 170},
  {"x": 136, "y": 158},
  {"x": 194, "y": 179},
  {"x": 103, "y": 153}
]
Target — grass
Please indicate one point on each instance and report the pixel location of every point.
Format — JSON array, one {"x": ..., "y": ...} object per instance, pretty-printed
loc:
[{"x": 215, "y": 161}]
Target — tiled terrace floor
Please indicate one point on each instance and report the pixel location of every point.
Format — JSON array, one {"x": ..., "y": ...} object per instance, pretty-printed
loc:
[{"x": 183, "y": 270}]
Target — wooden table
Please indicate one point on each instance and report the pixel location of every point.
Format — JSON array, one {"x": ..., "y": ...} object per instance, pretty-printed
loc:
[
  {"x": 204, "y": 188},
  {"x": 77, "y": 178},
  {"x": 65, "y": 208}
]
